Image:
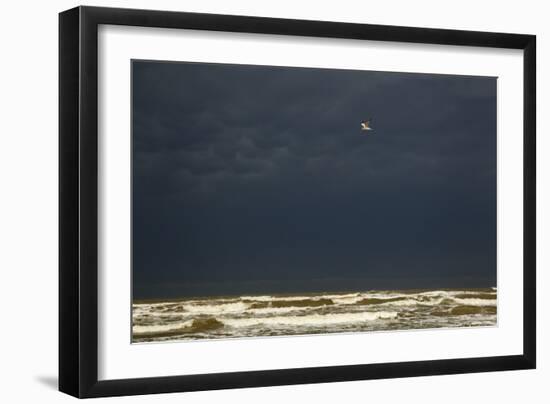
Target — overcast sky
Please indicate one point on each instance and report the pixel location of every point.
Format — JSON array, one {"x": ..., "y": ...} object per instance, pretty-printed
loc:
[{"x": 256, "y": 179}]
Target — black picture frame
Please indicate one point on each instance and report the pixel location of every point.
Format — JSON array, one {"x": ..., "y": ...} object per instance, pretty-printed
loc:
[{"x": 78, "y": 201}]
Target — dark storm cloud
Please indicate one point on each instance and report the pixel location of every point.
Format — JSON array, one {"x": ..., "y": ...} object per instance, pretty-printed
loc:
[{"x": 254, "y": 173}]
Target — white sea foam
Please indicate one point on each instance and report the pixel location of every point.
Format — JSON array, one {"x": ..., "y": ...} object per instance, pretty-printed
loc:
[
  {"x": 144, "y": 329},
  {"x": 280, "y": 310},
  {"x": 476, "y": 302},
  {"x": 159, "y": 315},
  {"x": 214, "y": 309},
  {"x": 265, "y": 298},
  {"x": 156, "y": 304},
  {"x": 406, "y": 302},
  {"x": 436, "y": 293},
  {"x": 268, "y": 298},
  {"x": 383, "y": 295},
  {"x": 295, "y": 298},
  {"x": 347, "y": 299},
  {"x": 312, "y": 319},
  {"x": 340, "y": 295}
]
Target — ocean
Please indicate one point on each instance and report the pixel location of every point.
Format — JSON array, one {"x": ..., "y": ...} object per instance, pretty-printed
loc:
[{"x": 311, "y": 313}]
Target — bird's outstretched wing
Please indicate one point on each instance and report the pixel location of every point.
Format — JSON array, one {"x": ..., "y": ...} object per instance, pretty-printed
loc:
[{"x": 365, "y": 125}]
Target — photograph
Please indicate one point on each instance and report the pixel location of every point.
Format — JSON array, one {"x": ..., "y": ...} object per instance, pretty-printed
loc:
[
  {"x": 283, "y": 201},
  {"x": 245, "y": 202},
  {"x": 297, "y": 198}
]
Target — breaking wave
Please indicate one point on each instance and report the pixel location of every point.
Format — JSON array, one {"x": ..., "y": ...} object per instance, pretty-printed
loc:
[{"x": 246, "y": 316}]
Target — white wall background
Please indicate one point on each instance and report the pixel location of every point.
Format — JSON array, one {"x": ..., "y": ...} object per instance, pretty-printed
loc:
[{"x": 28, "y": 199}]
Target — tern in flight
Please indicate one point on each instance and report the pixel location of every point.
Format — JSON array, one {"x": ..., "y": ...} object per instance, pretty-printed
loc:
[{"x": 365, "y": 125}]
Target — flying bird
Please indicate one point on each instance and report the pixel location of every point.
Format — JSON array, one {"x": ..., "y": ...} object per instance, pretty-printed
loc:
[{"x": 365, "y": 125}]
